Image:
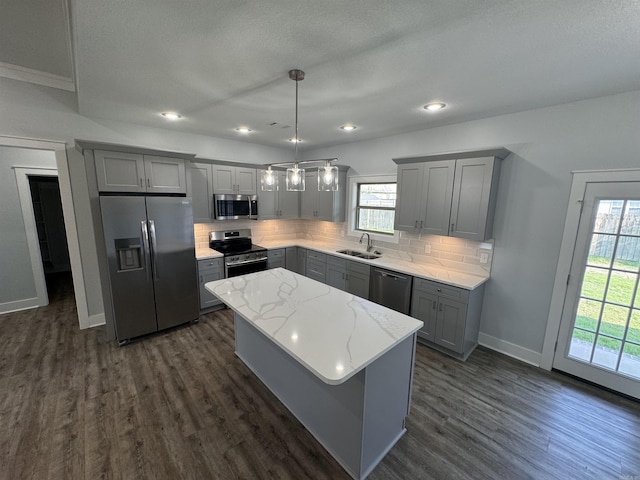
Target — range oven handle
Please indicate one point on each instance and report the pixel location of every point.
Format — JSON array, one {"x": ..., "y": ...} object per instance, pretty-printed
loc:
[{"x": 243, "y": 262}]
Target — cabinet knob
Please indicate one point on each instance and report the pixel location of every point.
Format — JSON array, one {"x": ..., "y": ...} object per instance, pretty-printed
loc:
[
  {"x": 438, "y": 290},
  {"x": 141, "y": 185},
  {"x": 416, "y": 225},
  {"x": 440, "y": 308},
  {"x": 434, "y": 305},
  {"x": 453, "y": 225},
  {"x": 148, "y": 182}
]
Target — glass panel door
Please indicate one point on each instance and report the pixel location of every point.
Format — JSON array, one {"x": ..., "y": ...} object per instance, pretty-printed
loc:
[{"x": 600, "y": 328}]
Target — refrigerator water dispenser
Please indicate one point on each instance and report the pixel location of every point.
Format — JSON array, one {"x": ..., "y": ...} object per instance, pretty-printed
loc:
[{"x": 129, "y": 254}]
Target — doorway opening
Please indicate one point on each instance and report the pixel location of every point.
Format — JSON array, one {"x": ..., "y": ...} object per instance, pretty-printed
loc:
[{"x": 51, "y": 235}]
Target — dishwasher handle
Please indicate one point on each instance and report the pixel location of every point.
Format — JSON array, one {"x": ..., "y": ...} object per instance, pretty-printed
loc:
[{"x": 389, "y": 275}]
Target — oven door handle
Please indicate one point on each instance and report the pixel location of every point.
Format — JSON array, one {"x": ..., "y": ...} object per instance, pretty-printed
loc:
[{"x": 254, "y": 260}]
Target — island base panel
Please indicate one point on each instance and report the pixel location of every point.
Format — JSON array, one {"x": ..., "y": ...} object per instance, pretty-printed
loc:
[{"x": 357, "y": 421}]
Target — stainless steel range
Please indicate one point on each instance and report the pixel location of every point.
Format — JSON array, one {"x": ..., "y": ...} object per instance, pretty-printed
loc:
[{"x": 240, "y": 254}]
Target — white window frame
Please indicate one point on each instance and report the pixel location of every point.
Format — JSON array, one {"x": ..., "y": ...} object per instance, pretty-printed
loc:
[{"x": 352, "y": 201}]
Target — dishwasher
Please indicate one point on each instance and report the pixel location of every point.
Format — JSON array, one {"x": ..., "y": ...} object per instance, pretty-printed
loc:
[{"x": 391, "y": 289}]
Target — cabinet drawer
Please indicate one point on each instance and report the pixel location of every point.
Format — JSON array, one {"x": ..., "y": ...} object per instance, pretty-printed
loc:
[
  {"x": 210, "y": 264},
  {"x": 279, "y": 253},
  {"x": 321, "y": 257},
  {"x": 357, "y": 267},
  {"x": 336, "y": 262},
  {"x": 441, "y": 290},
  {"x": 316, "y": 270}
]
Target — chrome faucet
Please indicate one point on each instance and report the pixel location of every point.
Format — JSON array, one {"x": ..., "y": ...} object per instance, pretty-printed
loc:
[{"x": 369, "y": 246}]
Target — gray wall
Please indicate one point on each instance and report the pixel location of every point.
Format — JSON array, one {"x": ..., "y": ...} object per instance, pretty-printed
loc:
[
  {"x": 16, "y": 278},
  {"x": 534, "y": 188}
]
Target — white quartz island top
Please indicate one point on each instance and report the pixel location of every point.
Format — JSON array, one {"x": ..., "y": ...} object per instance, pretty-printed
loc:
[{"x": 332, "y": 333}]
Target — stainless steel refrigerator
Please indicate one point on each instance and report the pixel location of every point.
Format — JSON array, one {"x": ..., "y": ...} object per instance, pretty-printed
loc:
[{"x": 152, "y": 266}]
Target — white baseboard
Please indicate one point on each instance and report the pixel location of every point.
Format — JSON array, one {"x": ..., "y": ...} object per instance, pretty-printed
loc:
[
  {"x": 17, "y": 305},
  {"x": 93, "y": 321},
  {"x": 510, "y": 349}
]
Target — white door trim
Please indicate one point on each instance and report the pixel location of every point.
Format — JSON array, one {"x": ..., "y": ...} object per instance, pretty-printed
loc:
[
  {"x": 578, "y": 187},
  {"x": 26, "y": 203},
  {"x": 60, "y": 150}
]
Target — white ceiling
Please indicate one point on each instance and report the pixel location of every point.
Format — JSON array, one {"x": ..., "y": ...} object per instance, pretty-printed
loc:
[{"x": 223, "y": 64}]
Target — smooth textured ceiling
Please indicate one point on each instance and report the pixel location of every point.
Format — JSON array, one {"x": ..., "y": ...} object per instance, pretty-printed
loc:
[{"x": 223, "y": 64}]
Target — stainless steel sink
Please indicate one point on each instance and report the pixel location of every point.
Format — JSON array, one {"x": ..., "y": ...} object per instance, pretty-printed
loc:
[{"x": 355, "y": 253}]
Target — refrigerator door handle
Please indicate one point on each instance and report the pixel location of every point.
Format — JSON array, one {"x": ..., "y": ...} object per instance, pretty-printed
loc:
[
  {"x": 154, "y": 249},
  {"x": 145, "y": 245}
]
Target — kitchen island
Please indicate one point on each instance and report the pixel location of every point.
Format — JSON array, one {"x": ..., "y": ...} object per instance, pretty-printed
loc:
[{"x": 341, "y": 364}]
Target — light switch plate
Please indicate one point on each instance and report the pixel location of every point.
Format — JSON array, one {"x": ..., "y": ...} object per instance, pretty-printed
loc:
[{"x": 484, "y": 258}]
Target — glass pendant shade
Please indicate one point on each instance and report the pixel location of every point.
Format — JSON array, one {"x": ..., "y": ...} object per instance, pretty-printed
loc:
[
  {"x": 269, "y": 180},
  {"x": 328, "y": 178},
  {"x": 295, "y": 179}
]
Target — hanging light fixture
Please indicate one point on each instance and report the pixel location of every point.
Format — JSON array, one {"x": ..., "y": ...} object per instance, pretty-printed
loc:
[
  {"x": 328, "y": 177},
  {"x": 295, "y": 175},
  {"x": 269, "y": 180}
]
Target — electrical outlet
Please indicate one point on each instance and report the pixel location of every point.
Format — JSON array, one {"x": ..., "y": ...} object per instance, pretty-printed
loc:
[
  {"x": 427, "y": 248},
  {"x": 484, "y": 258}
]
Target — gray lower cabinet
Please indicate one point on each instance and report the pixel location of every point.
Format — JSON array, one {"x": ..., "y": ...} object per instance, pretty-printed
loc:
[
  {"x": 301, "y": 264},
  {"x": 358, "y": 278},
  {"x": 317, "y": 266},
  {"x": 208, "y": 271},
  {"x": 276, "y": 258},
  {"x": 291, "y": 258},
  {"x": 337, "y": 272},
  {"x": 451, "y": 316},
  {"x": 348, "y": 275}
]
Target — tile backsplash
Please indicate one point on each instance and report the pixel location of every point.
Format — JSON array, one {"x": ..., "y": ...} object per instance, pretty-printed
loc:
[{"x": 454, "y": 253}]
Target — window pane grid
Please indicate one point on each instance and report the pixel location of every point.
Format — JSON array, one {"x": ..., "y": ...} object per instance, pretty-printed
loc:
[
  {"x": 375, "y": 207},
  {"x": 606, "y": 328}
]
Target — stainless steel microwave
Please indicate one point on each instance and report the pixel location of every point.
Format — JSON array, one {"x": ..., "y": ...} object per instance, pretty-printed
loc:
[{"x": 235, "y": 207}]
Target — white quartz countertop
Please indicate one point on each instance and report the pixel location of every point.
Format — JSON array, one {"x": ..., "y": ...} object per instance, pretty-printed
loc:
[
  {"x": 332, "y": 333},
  {"x": 427, "y": 271}
]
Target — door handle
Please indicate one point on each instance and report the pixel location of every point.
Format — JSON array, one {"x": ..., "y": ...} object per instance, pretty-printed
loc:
[
  {"x": 154, "y": 249},
  {"x": 453, "y": 225},
  {"x": 421, "y": 222},
  {"x": 148, "y": 182},
  {"x": 434, "y": 305},
  {"x": 440, "y": 308},
  {"x": 141, "y": 184},
  {"x": 145, "y": 243},
  {"x": 416, "y": 225}
]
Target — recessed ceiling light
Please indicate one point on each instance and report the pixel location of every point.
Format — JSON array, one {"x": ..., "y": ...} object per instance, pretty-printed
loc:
[
  {"x": 243, "y": 130},
  {"x": 293, "y": 140},
  {"x": 434, "y": 106},
  {"x": 348, "y": 127},
  {"x": 171, "y": 115}
]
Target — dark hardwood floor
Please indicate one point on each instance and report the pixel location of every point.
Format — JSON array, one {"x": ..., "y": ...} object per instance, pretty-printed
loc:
[{"x": 181, "y": 405}]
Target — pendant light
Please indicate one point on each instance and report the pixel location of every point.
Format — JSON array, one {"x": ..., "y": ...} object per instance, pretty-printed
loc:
[
  {"x": 295, "y": 175},
  {"x": 269, "y": 180},
  {"x": 328, "y": 178}
]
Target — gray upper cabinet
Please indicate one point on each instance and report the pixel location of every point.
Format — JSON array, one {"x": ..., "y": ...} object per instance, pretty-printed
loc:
[
  {"x": 132, "y": 172},
  {"x": 165, "y": 175},
  {"x": 201, "y": 192},
  {"x": 279, "y": 204},
  {"x": 120, "y": 172},
  {"x": 445, "y": 195},
  {"x": 327, "y": 206},
  {"x": 234, "y": 180}
]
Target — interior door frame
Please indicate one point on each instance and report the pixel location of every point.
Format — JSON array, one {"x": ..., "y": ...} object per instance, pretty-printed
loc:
[
  {"x": 68, "y": 210},
  {"x": 570, "y": 234}
]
